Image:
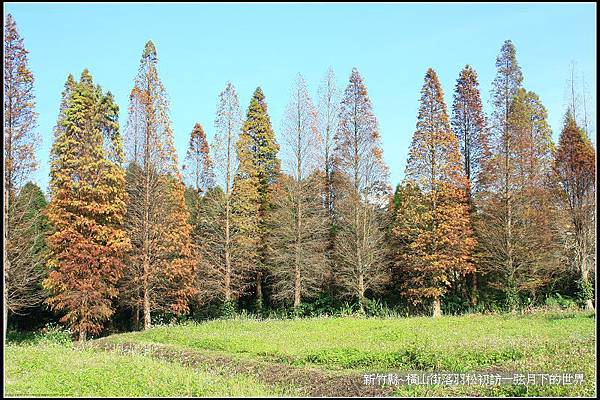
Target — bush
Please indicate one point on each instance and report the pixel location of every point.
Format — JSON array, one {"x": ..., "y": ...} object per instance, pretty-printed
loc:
[
  {"x": 557, "y": 301},
  {"x": 52, "y": 333},
  {"x": 216, "y": 310},
  {"x": 586, "y": 291},
  {"x": 376, "y": 308},
  {"x": 227, "y": 309},
  {"x": 454, "y": 304}
]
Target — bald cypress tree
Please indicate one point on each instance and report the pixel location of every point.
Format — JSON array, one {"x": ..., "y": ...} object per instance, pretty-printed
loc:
[
  {"x": 437, "y": 233},
  {"x": 575, "y": 169},
  {"x": 298, "y": 219},
  {"x": 515, "y": 206},
  {"x": 469, "y": 125},
  {"x": 258, "y": 169},
  {"x": 86, "y": 210},
  {"x": 20, "y": 143},
  {"x": 198, "y": 166},
  {"x": 362, "y": 194},
  {"x": 220, "y": 228},
  {"x": 159, "y": 277},
  {"x": 245, "y": 219},
  {"x": 508, "y": 80}
]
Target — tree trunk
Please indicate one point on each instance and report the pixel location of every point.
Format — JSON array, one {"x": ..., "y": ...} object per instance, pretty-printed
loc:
[
  {"x": 474, "y": 288},
  {"x": 437, "y": 307},
  {"x": 227, "y": 283},
  {"x": 147, "y": 321},
  {"x": 82, "y": 335},
  {"x": 297, "y": 287},
  {"x": 5, "y": 313},
  {"x": 136, "y": 318},
  {"x": 297, "y": 248},
  {"x": 589, "y": 304},
  {"x": 361, "y": 291},
  {"x": 227, "y": 289},
  {"x": 6, "y": 263},
  {"x": 259, "y": 294},
  {"x": 146, "y": 226},
  {"x": 5, "y": 294}
]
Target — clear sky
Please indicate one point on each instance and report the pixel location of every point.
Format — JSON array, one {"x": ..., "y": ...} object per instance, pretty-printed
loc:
[{"x": 202, "y": 46}]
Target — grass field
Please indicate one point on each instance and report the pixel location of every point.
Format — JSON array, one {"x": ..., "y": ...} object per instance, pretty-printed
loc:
[{"x": 246, "y": 357}]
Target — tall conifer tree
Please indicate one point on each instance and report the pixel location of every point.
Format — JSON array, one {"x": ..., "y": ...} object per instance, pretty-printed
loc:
[
  {"x": 516, "y": 213},
  {"x": 298, "y": 219},
  {"x": 226, "y": 261},
  {"x": 86, "y": 210},
  {"x": 575, "y": 168},
  {"x": 160, "y": 270},
  {"x": 258, "y": 170},
  {"x": 439, "y": 229},
  {"x": 363, "y": 194},
  {"x": 469, "y": 125},
  {"x": 20, "y": 142}
]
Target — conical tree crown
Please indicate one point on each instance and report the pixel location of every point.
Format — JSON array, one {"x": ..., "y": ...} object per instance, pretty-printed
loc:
[
  {"x": 87, "y": 208},
  {"x": 260, "y": 146},
  {"x": 434, "y": 154},
  {"x": 149, "y": 53}
]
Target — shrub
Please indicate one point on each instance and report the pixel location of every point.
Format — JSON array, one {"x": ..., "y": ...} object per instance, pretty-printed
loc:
[
  {"x": 54, "y": 334},
  {"x": 586, "y": 291},
  {"x": 51, "y": 333},
  {"x": 560, "y": 302}
]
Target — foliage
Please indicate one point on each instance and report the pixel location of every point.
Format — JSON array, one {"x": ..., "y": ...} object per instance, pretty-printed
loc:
[
  {"x": 560, "y": 302},
  {"x": 198, "y": 166},
  {"x": 586, "y": 291},
  {"x": 159, "y": 274},
  {"x": 362, "y": 191},
  {"x": 258, "y": 169},
  {"x": 433, "y": 227},
  {"x": 86, "y": 209},
  {"x": 20, "y": 268}
]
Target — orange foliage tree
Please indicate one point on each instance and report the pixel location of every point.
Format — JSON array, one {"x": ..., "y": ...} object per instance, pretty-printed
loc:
[
  {"x": 433, "y": 223},
  {"x": 575, "y": 169},
  {"x": 88, "y": 203},
  {"x": 159, "y": 276}
]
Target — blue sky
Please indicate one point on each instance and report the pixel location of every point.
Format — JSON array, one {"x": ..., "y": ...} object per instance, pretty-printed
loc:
[{"x": 202, "y": 46}]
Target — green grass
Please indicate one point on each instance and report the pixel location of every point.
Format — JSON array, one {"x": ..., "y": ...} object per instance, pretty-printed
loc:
[
  {"x": 458, "y": 344},
  {"x": 55, "y": 370},
  {"x": 543, "y": 342}
]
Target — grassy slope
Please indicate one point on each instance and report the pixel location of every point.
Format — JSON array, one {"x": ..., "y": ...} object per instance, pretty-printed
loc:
[
  {"x": 562, "y": 342},
  {"x": 456, "y": 344},
  {"x": 553, "y": 342},
  {"x": 55, "y": 370}
]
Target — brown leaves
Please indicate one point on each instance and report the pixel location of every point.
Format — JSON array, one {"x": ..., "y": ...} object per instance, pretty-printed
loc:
[
  {"x": 432, "y": 222},
  {"x": 87, "y": 206}
]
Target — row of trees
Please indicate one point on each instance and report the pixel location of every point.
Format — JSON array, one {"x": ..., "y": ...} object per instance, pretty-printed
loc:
[{"x": 489, "y": 211}]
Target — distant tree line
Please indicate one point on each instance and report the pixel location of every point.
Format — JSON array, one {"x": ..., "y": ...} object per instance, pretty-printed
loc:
[{"x": 491, "y": 213}]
